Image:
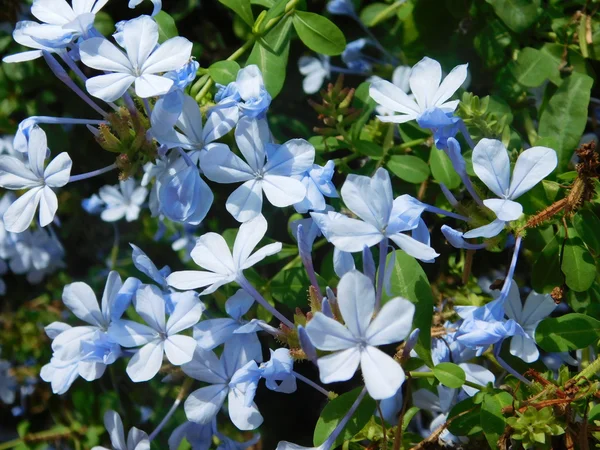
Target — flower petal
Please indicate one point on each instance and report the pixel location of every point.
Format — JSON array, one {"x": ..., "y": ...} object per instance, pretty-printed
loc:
[
  {"x": 145, "y": 364},
  {"x": 383, "y": 376},
  {"x": 392, "y": 323},
  {"x": 492, "y": 165},
  {"x": 533, "y": 165},
  {"x": 339, "y": 366},
  {"x": 329, "y": 334},
  {"x": 356, "y": 300}
]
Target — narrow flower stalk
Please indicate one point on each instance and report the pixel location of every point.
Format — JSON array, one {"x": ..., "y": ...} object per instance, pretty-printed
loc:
[
  {"x": 311, "y": 383},
  {"x": 306, "y": 257},
  {"x": 245, "y": 285},
  {"x": 63, "y": 76},
  {"x": 93, "y": 173},
  {"x": 383, "y": 245},
  {"x": 506, "y": 366},
  {"x": 187, "y": 384}
]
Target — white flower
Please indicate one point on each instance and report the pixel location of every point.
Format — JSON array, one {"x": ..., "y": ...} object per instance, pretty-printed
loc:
[
  {"x": 121, "y": 201},
  {"x": 16, "y": 175}
]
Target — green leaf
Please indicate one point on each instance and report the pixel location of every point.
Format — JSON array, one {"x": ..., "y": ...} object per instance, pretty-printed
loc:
[
  {"x": 587, "y": 225},
  {"x": 166, "y": 27},
  {"x": 319, "y": 33},
  {"x": 409, "y": 168},
  {"x": 546, "y": 273},
  {"x": 442, "y": 170},
  {"x": 493, "y": 422},
  {"x": 565, "y": 116},
  {"x": 376, "y": 12},
  {"x": 566, "y": 333},
  {"x": 533, "y": 67},
  {"x": 242, "y": 8},
  {"x": 279, "y": 36},
  {"x": 370, "y": 149},
  {"x": 272, "y": 65},
  {"x": 467, "y": 424},
  {"x": 291, "y": 286},
  {"x": 450, "y": 375},
  {"x": 518, "y": 15},
  {"x": 335, "y": 410},
  {"x": 408, "y": 280},
  {"x": 578, "y": 265},
  {"x": 224, "y": 72}
]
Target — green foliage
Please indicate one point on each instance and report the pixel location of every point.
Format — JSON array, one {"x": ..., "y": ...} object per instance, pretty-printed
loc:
[
  {"x": 318, "y": 33},
  {"x": 450, "y": 375},
  {"x": 335, "y": 410},
  {"x": 408, "y": 280},
  {"x": 568, "y": 332},
  {"x": 535, "y": 428}
]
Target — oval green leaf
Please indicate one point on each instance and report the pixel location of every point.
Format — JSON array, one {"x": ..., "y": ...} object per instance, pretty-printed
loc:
[
  {"x": 409, "y": 168},
  {"x": 450, "y": 375},
  {"x": 566, "y": 333},
  {"x": 442, "y": 170},
  {"x": 319, "y": 33},
  {"x": 224, "y": 72}
]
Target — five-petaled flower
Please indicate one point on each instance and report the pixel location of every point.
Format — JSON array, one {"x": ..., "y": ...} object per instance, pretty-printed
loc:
[
  {"x": 356, "y": 342},
  {"x": 16, "y": 174},
  {"x": 143, "y": 61}
]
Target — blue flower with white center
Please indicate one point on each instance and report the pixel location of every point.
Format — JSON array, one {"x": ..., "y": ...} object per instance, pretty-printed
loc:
[
  {"x": 356, "y": 342},
  {"x": 227, "y": 377},
  {"x": 159, "y": 336},
  {"x": 269, "y": 168},
  {"x": 143, "y": 60},
  {"x": 492, "y": 165},
  {"x": 16, "y": 174}
]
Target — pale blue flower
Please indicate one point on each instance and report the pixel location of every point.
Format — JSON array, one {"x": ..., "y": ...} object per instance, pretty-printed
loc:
[
  {"x": 61, "y": 25},
  {"x": 341, "y": 7},
  {"x": 8, "y": 384},
  {"x": 16, "y": 175},
  {"x": 536, "y": 308},
  {"x": 214, "y": 332},
  {"x": 492, "y": 165},
  {"x": 371, "y": 199},
  {"x": 269, "y": 168},
  {"x": 315, "y": 70},
  {"x": 356, "y": 342},
  {"x": 317, "y": 181},
  {"x": 160, "y": 336},
  {"x": 136, "y": 439},
  {"x": 145, "y": 265},
  {"x": 177, "y": 122},
  {"x": 183, "y": 196},
  {"x": 86, "y": 350},
  {"x": 427, "y": 87},
  {"x": 93, "y": 205},
  {"x": 400, "y": 78},
  {"x": 227, "y": 379},
  {"x": 354, "y": 58},
  {"x": 247, "y": 96},
  {"x": 122, "y": 201},
  {"x": 212, "y": 253},
  {"x": 199, "y": 436},
  {"x": 457, "y": 240},
  {"x": 140, "y": 65},
  {"x": 36, "y": 253},
  {"x": 278, "y": 372}
]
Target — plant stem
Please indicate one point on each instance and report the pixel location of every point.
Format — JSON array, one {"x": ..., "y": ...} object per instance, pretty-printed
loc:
[
  {"x": 382, "y": 258},
  {"x": 93, "y": 173},
  {"x": 312, "y": 384},
  {"x": 245, "y": 285},
  {"x": 187, "y": 384}
]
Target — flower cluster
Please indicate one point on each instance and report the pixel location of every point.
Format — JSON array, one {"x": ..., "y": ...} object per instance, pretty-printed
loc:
[{"x": 174, "y": 151}]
